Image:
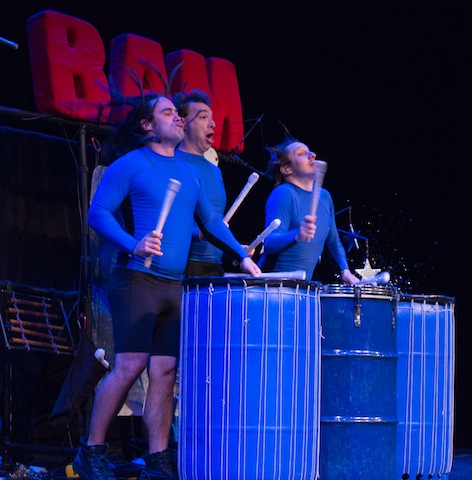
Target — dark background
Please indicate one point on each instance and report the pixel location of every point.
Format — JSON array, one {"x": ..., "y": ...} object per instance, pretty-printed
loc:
[{"x": 380, "y": 90}]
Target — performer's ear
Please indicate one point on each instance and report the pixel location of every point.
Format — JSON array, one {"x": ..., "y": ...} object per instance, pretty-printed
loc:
[
  {"x": 285, "y": 170},
  {"x": 146, "y": 125}
]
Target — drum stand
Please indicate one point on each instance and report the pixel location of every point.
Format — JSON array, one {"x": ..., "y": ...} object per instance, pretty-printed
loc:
[{"x": 32, "y": 320}]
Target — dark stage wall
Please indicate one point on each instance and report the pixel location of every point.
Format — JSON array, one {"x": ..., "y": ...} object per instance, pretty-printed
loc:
[
  {"x": 380, "y": 90},
  {"x": 39, "y": 205}
]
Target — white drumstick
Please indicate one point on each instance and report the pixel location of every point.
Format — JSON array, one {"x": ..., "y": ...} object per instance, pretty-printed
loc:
[
  {"x": 172, "y": 188},
  {"x": 260, "y": 238},
  {"x": 296, "y": 274},
  {"x": 100, "y": 356},
  {"x": 322, "y": 167},
  {"x": 253, "y": 178}
]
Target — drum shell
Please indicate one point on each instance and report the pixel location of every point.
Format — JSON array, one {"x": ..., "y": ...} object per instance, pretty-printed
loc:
[
  {"x": 425, "y": 383},
  {"x": 358, "y": 388},
  {"x": 249, "y": 379}
]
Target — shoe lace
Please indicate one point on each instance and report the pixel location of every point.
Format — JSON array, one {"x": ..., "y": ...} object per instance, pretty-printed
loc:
[
  {"x": 101, "y": 466},
  {"x": 165, "y": 461}
]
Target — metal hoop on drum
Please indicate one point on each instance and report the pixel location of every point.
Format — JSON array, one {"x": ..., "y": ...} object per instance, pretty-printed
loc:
[
  {"x": 425, "y": 382},
  {"x": 358, "y": 393},
  {"x": 250, "y": 378}
]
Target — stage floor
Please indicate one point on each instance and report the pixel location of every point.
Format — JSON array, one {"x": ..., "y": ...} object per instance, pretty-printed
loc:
[
  {"x": 461, "y": 469},
  {"x": 462, "y": 466}
]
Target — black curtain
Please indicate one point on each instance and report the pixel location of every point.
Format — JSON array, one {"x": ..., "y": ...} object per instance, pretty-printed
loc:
[
  {"x": 40, "y": 234},
  {"x": 40, "y": 244}
]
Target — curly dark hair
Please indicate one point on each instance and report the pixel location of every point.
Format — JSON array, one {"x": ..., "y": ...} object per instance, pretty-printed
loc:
[
  {"x": 128, "y": 113},
  {"x": 127, "y": 134},
  {"x": 182, "y": 99}
]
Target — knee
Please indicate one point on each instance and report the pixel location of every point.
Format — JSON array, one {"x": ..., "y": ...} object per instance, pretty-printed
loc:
[
  {"x": 167, "y": 375},
  {"x": 163, "y": 372},
  {"x": 128, "y": 371}
]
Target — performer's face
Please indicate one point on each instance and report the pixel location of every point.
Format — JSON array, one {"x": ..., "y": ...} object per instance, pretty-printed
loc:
[
  {"x": 302, "y": 160},
  {"x": 199, "y": 127},
  {"x": 166, "y": 123}
]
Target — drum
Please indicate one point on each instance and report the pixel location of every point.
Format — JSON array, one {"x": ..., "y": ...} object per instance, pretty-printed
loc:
[
  {"x": 358, "y": 388},
  {"x": 425, "y": 383},
  {"x": 249, "y": 379}
]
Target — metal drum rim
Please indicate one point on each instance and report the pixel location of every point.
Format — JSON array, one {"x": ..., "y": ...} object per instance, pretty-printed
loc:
[
  {"x": 366, "y": 291},
  {"x": 426, "y": 297},
  {"x": 243, "y": 281}
]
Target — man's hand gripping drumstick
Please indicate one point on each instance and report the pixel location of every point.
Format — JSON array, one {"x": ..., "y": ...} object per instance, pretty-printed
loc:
[
  {"x": 307, "y": 226},
  {"x": 172, "y": 188}
]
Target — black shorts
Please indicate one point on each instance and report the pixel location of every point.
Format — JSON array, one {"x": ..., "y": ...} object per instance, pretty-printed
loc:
[{"x": 146, "y": 312}]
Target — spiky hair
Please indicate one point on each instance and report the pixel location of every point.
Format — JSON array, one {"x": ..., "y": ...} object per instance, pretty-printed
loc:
[
  {"x": 279, "y": 156},
  {"x": 182, "y": 99}
]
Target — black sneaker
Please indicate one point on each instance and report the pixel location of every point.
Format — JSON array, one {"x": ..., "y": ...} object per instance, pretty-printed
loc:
[
  {"x": 91, "y": 462},
  {"x": 159, "y": 466}
]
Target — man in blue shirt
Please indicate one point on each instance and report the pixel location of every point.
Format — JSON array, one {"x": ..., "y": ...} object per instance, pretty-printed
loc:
[
  {"x": 301, "y": 237},
  {"x": 145, "y": 302},
  {"x": 195, "y": 109}
]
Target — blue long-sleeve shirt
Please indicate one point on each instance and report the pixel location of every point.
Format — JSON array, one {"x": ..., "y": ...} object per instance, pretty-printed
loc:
[
  {"x": 128, "y": 201},
  {"x": 203, "y": 250},
  {"x": 282, "y": 253}
]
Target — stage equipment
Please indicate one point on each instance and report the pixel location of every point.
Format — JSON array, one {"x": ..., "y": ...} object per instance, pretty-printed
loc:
[
  {"x": 358, "y": 393},
  {"x": 32, "y": 319},
  {"x": 425, "y": 385},
  {"x": 250, "y": 378}
]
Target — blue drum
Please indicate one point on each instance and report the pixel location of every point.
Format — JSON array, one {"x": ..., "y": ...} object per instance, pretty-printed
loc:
[
  {"x": 425, "y": 384},
  {"x": 358, "y": 389},
  {"x": 249, "y": 379}
]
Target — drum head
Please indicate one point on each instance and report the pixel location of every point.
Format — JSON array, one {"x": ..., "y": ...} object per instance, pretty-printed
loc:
[{"x": 247, "y": 281}]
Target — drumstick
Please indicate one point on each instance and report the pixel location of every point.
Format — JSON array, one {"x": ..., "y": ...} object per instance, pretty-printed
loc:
[
  {"x": 260, "y": 238},
  {"x": 273, "y": 225},
  {"x": 172, "y": 188},
  {"x": 253, "y": 178},
  {"x": 322, "y": 167},
  {"x": 100, "y": 356}
]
